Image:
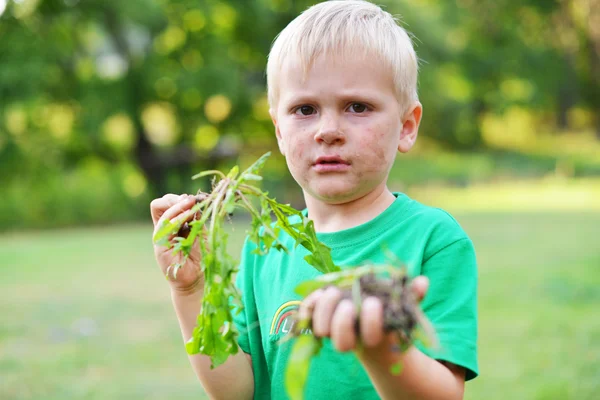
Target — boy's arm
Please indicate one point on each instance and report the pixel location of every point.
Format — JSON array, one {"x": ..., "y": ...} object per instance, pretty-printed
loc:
[
  {"x": 451, "y": 306},
  {"x": 186, "y": 294},
  {"x": 421, "y": 378},
  {"x": 233, "y": 379}
]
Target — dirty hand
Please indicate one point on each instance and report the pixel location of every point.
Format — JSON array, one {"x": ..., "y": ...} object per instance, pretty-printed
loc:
[
  {"x": 335, "y": 317},
  {"x": 171, "y": 207}
]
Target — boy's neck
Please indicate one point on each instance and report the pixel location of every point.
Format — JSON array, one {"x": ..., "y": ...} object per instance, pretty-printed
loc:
[{"x": 337, "y": 217}]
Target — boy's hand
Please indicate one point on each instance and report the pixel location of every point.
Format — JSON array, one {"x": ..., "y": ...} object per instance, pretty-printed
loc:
[
  {"x": 189, "y": 276},
  {"x": 336, "y": 318}
]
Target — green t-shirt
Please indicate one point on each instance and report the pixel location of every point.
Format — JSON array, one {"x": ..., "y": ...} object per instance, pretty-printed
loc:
[{"x": 427, "y": 239}]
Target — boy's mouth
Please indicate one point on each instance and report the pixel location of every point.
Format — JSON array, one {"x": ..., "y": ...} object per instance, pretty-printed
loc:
[
  {"x": 331, "y": 164},
  {"x": 331, "y": 160}
]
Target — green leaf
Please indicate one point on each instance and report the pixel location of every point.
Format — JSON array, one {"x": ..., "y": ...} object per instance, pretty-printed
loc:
[
  {"x": 287, "y": 209},
  {"x": 167, "y": 229},
  {"x": 256, "y": 166},
  {"x": 307, "y": 287},
  {"x": 315, "y": 262},
  {"x": 334, "y": 277},
  {"x": 233, "y": 173},
  {"x": 207, "y": 173},
  {"x": 304, "y": 348},
  {"x": 305, "y": 235},
  {"x": 252, "y": 177}
]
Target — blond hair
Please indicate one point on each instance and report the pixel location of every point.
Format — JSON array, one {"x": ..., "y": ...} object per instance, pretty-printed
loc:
[{"x": 346, "y": 28}]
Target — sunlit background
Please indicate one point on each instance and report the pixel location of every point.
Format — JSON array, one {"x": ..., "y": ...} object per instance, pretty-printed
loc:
[{"x": 107, "y": 104}]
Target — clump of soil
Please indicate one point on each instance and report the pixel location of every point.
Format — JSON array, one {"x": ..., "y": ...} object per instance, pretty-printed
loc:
[{"x": 401, "y": 312}]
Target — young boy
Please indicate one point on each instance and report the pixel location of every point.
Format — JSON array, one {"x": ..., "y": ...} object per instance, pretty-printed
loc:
[{"x": 342, "y": 82}]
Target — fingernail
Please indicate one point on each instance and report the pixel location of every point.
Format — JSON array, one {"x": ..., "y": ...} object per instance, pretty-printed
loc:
[{"x": 370, "y": 302}]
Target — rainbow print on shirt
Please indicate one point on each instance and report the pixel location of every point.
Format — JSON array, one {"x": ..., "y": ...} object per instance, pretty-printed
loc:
[{"x": 283, "y": 321}]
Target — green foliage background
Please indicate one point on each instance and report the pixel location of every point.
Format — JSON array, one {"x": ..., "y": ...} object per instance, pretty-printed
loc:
[{"x": 107, "y": 104}]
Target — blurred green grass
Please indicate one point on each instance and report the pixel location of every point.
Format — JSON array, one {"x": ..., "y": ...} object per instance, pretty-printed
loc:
[{"x": 85, "y": 313}]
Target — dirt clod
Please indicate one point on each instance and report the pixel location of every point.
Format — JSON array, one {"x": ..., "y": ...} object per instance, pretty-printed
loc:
[{"x": 401, "y": 312}]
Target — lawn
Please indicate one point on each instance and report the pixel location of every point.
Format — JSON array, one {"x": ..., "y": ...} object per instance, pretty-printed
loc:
[{"x": 85, "y": 313}]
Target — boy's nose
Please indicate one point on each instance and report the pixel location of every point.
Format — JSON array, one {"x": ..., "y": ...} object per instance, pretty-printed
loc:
[{"x": 330, "y": 132}]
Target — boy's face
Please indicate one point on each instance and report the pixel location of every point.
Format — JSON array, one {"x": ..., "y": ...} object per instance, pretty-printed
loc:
[{"x": 340, "y": 128}]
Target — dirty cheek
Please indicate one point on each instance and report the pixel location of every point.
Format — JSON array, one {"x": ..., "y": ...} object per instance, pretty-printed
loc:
[
  {"x": 375, "y": 149},
  {"x": 292, "y": 146},
  {"x": 295, "y": 154}
]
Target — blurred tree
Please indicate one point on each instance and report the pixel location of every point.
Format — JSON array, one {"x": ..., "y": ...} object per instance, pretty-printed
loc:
[
  {"x": 184, "y": 79},
  {"x": 159, "y": 89}
]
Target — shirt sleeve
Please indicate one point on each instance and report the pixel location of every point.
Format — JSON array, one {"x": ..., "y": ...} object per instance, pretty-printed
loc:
[{"x": 451, "y": 304}]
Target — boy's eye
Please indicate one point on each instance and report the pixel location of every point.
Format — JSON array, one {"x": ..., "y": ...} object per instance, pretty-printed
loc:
[
  {"x": 358, "y": 108},
  {"x": 305, "y": 110}
]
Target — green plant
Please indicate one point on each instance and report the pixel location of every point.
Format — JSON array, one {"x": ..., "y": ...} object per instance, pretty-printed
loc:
[{"x": 215, "y": 334}]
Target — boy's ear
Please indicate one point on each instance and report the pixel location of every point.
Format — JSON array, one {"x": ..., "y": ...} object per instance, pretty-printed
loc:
[
  {"x": 273, "y": 115},
  {"x": 410, "y": 128}
]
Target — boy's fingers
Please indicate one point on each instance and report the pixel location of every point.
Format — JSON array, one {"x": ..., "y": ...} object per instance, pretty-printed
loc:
[
  {"x": 186, "y": 216},
  {"x": 324, "y": 309},
  {"x": 307, "y": 306},
  {"x": 371, "y": 321},
  {"x": 342, "y": 326},
  {"x": 419, "y": 286},
  {"x": 175, "y": 210},
  {"x": 160, "y": 205}
]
